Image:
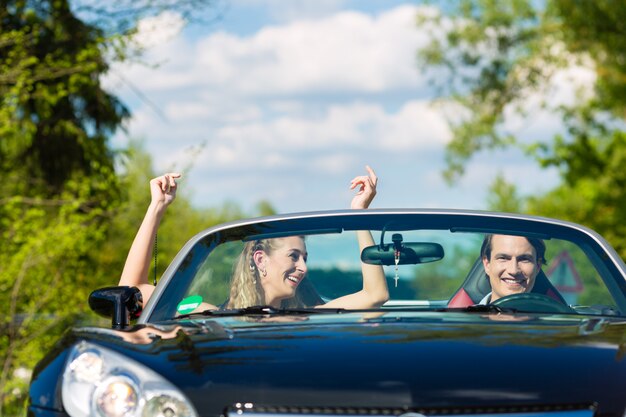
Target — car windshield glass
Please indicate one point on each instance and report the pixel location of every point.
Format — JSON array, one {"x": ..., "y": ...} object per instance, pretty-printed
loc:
[{"x": 422, "y": 269}]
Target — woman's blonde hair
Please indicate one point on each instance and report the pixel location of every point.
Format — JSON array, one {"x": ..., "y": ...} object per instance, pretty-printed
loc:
[{"x": 245, "y": 287}]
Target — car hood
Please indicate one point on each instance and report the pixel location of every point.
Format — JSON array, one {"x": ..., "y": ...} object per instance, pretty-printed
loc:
[{"x": 411, "y": 361}]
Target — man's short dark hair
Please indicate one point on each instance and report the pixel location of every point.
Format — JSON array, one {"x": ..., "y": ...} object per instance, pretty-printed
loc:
[{"x": 538, "y": 244}]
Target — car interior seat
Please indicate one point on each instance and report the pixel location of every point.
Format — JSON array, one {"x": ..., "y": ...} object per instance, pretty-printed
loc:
[{"x": 476, "y": 286}]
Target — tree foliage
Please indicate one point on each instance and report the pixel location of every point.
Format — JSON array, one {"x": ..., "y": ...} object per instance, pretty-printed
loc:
[
  {"x": 499, "y": 57},
  {"x": 597, "y": 28},
  {"x": 66, "y": 216},
  {"x": 55, "y": 116},
  {"x": 59, "y": 184}
]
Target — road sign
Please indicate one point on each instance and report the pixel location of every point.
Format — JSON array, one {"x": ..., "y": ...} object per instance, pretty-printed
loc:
[{"x": 563, "y": 274}]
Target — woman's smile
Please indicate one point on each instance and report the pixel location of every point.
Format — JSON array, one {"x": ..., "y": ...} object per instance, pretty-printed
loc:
[{"x": 294, "y": 280}]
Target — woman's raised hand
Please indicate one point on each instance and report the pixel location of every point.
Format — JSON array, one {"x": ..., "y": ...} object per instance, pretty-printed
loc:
[
  {"x": 366, "y": 189},
  {"x": 163, "y": 188}
]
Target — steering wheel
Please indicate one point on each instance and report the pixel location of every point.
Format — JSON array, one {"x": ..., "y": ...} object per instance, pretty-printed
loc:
[{"x": 534, "y": 303}]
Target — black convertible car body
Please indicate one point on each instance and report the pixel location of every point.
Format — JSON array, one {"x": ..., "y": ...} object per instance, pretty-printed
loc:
[{"x": 435, "y": 348}]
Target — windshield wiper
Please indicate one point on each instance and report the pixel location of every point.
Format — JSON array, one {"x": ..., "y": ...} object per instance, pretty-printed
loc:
[
  {"x": 273, "y": 311},
  {"x": 263, "y": 310}
]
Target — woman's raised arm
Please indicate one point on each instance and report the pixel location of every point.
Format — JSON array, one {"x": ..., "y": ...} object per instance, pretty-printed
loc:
[
  {"x": 135, "y": 272},
  {"x": 374, "y": 292}
]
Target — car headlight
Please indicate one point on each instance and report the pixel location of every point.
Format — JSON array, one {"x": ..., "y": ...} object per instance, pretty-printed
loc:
[{"x": 101, "y": 383}]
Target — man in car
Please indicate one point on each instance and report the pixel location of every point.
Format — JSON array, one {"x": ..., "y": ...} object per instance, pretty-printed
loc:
[{"x": 511, "y": 263}]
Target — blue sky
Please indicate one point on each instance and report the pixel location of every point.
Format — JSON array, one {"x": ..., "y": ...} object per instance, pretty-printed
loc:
[{"x": 286, "y": 101}]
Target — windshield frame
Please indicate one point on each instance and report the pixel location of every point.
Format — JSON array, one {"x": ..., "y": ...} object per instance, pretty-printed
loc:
[{"x": 604, "y": 258}]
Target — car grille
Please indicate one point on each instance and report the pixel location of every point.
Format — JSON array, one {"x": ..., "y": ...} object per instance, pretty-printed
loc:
[{"x": 253, "y": 410}]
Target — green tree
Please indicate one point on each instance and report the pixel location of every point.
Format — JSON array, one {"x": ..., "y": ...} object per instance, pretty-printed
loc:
[
  {"x": 60, "y": 189},
  {"x": 500, "y": 55},
  {"x": 58, "y": 178},
  {"x": 55, "y": 117},
  {"x": 597, "y": 28}
]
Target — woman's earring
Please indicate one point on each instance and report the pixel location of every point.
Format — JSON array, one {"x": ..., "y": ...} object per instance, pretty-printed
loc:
[{"x": 263, "y": 272}]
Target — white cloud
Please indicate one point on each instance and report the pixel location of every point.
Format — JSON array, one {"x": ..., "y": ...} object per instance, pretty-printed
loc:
[
  {"x": 527, "y": 177},
  {"x": 573, "y": 84},
  {"x": 539, "y": 118},
  {"x": 292, "y": 112},
  {"x": 334, "y": 164},
  {"x": 156, "y": 30},
  {"x": 347, "y": 51},
  {"x": 354, "y": 127},
  {"x": 418, "y": 125}
]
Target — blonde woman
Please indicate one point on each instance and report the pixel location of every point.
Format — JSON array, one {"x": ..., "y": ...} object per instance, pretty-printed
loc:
[{"x": 268, "y": 272}]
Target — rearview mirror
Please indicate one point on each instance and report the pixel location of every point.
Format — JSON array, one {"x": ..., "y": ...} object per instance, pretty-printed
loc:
[{"x": 402, "y": 253}]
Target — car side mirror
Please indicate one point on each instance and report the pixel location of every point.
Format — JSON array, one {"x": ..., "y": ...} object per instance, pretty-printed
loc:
[{"x": 119, "y": 303}]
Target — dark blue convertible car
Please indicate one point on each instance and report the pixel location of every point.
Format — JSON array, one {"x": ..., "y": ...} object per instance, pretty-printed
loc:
[{"x": 484, "y": 314}]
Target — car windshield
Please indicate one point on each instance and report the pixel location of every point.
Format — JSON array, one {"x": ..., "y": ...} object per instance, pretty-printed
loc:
[{"x": 427, "y": 264}]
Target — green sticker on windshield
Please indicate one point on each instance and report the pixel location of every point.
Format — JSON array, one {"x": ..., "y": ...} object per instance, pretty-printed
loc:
[{"x": 189, "y": 304}]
